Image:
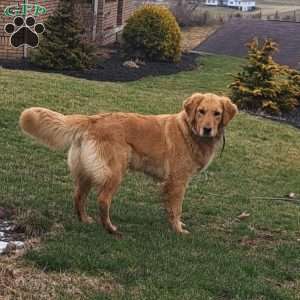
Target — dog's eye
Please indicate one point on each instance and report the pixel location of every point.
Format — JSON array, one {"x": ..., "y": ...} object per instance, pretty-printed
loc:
[
  {"x": 217, "y": 113},
  {"x": 201, "y": 111}
]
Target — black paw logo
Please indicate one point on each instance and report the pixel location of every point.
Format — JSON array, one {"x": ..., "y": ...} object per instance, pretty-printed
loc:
[{"x": 24, "y": 32}]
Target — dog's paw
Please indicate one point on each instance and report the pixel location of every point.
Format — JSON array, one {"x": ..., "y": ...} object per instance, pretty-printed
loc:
[
  {"x": 112, "y": 229},
  {"x": 178, "y": 227},
  {"x": 184, "y": 231},
  {"x": 87, "y": 220}
]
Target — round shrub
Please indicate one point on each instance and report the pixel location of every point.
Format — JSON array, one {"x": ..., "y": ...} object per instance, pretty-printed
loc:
[{"x": 152, "y": 33}]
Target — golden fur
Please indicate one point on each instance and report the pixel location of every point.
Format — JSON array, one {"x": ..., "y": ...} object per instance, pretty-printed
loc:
[{"x": 102, "y": 147}]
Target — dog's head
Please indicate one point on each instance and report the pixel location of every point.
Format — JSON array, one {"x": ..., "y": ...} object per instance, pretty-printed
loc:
[{"x": 207, "y": 114}]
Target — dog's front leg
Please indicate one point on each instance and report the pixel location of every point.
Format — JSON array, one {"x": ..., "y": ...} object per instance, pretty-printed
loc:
[{"x": 174, "y": 190}]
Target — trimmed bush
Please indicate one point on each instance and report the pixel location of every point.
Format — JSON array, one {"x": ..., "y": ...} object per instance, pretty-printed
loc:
[
  {"x": 152, "y": 33},
  {"x": 62, "y": 46},
  {"x": 263, "y": 84}
]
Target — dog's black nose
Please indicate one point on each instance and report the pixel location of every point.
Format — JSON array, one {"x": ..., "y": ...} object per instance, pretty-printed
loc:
[{"x": 207, "y": 131}]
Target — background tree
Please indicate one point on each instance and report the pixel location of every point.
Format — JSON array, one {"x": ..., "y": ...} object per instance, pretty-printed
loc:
[
  {"x": 263, "y": 84},
  {"x": 184, "y": 11},
  {"x": 63, "y": 45}
]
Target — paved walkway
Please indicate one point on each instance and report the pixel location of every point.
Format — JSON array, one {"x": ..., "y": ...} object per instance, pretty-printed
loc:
[{"x": 231, "y": 38}]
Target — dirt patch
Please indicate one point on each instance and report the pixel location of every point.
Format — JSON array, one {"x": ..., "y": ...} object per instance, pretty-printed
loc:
[
  {"x": 193, "y": 36},
  {"x": 20, "y": 229},
  {"x": 290, "y": 285},
  {"x": 6, "y": 213},
  {"x": 18, "y": 281},
  {"x": 111, "y": 68},
  {"x": 263, "y": 238}
]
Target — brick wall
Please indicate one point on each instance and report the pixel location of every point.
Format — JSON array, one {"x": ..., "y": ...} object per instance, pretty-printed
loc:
[
  {"x": 111, "y": 14},
  {"x": 109, "y": 22},
  {"x": 114, "y": 14},
  {"x": 6, "y": 50},
  {"x": 128, "y": 8},
  {"x": 51, "y": 5},
  {"x": 85, "y": 12}
]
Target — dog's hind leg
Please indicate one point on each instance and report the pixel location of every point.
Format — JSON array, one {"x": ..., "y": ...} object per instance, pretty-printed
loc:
[
  {"x": 82, "y": 180},
  {"x": 105, "y": 198},
  {"x": 105, "y": 164},
  {"x": 83, "y": 186}
]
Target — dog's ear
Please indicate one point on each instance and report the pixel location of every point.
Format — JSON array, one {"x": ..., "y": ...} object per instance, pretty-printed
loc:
[
  {"x": 191, "y": 103},
  {"x": 230, "y": 110}
]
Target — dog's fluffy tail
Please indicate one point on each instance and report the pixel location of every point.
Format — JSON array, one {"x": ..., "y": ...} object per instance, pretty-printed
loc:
[{"x": 52, "y": 128}]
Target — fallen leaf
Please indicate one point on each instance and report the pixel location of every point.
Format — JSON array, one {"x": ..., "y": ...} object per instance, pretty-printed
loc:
[
  {"x": 244, "y": 215},
  {"x": 292, "y": 195}
]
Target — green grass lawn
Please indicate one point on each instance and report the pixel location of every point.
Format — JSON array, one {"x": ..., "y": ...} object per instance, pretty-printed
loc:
[{"x": 222, "y": 258}]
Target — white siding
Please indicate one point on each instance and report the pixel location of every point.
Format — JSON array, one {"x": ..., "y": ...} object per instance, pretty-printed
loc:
[
  {"x": 212, "y": 2},
  {"x": 240, "y": 4}
]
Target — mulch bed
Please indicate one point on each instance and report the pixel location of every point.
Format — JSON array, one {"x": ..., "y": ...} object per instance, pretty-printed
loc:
[
  {"x": 292, "y": 118},
  {"x": 112, "y": 69}
]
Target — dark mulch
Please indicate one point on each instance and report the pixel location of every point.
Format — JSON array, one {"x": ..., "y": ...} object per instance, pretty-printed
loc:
[
  {"x": 292, "y": 118},
  {"x": 112, "y": 69},
  {"x": 6, "y": 213}
]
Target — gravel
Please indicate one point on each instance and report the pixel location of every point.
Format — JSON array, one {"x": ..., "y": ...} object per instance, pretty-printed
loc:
[{"x": 292, "y": 118}]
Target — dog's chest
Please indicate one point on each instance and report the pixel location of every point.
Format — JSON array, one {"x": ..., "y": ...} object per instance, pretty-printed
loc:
[
  {"x": 204, "y": 157},
  {"x": 208, "y": 160}
]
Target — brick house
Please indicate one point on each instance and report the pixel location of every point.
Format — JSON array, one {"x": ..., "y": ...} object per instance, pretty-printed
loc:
[{"x": 102, "y": 19}]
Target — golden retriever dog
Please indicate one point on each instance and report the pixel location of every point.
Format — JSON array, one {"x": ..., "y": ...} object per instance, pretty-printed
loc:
[{"x": 102, "y": 147}]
